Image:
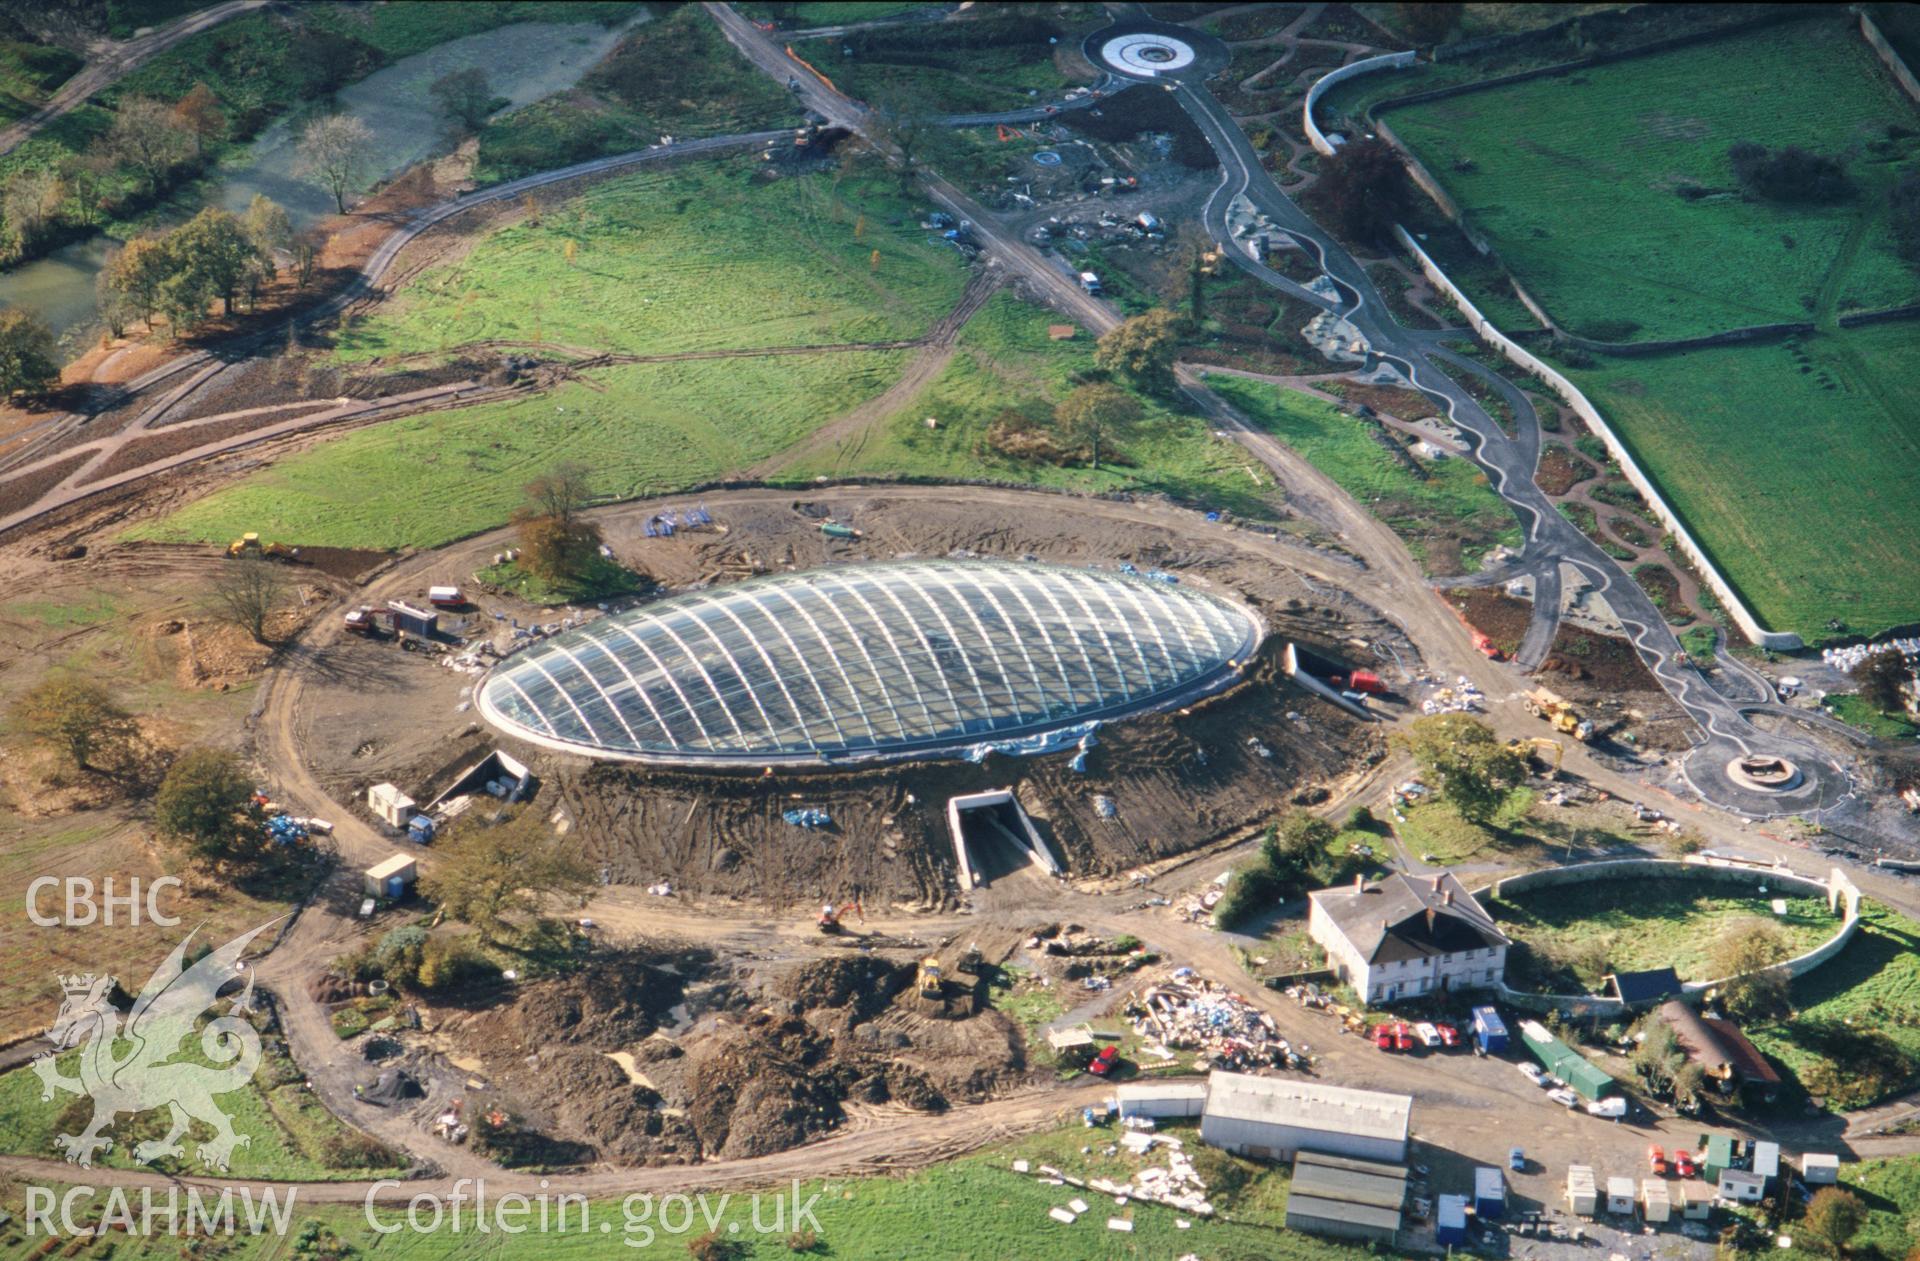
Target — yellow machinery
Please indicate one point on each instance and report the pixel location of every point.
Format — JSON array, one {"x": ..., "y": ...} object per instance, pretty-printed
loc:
[
  {"x": 1549, "y": 752},
  {"x": 927, "y": 981},
  {"x": 1559, "y": 713},
  {"x": 248, "y": 542}
]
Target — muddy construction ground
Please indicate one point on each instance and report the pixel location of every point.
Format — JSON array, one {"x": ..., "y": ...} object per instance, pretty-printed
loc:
[{"x": 1154, "y": 786}]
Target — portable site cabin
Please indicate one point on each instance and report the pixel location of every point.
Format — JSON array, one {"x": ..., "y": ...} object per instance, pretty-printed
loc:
[
  {"x": 1160, "y": 1099},
  {"x": 1719, "y": 1157},
  {"x": 1820, "y": 1169},
  {"x": 392, "y": 806},
  {"x": 1450, "y": 1221},
  {"x": 391, "y": 878},
  {"x": 1582, "y": 1199},
  {"x": 1489, "y": 1031},
  {"x": 1489, "y": 1194},
  {"x": 1620, "y": 1196},
  {"x": 412, "y": 620},
  {"x": 1655, "y": 1202},
  {"x": 1579, "y": 1072},
  {"x": 1766, "y": 1160},
  {"x": 1742, "y": 1186},
  {"x": 1693, "y": 1200}
]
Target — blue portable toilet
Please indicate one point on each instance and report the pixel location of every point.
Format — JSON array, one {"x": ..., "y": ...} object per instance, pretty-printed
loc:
[
  {"x": 1489, "y": 1194},
  {"x": 1450, "y": 1220},
  {"x": 1489, "y": 1032}
]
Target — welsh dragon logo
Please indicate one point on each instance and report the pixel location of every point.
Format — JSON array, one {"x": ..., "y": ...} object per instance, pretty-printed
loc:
[{"x": 137, "y": 1068}]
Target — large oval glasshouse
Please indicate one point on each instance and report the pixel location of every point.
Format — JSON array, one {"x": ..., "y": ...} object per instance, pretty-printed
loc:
[{"x": 861, "y": 662}]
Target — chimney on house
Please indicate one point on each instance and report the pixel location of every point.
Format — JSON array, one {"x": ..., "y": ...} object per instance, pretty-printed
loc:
[{"x": 1360, "y": 882}]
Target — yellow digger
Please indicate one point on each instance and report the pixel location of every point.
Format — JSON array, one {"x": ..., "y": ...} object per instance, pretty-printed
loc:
[
  {"x": 928, "y": 980},
  {"x": 1559, "y": 714},
  {"x": 1538, "y": 748}
]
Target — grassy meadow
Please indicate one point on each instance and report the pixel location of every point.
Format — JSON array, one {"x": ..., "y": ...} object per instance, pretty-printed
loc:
[
  {"x": 697, "y": 257},
  {"x": 1796, "y": 465},
  {"x": 1577, "y": 180}
]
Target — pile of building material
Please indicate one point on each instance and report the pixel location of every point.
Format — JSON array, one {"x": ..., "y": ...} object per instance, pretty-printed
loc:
[
  {"x": 1193, "y": 1014},
  {"x": 1845, "y": 659},
  {"x": 1174, "y": 1185},
  {"x": 1462, "y": 698}
]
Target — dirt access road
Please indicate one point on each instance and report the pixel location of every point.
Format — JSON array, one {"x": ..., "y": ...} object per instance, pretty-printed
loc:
[{"x": 110, "y": 61}]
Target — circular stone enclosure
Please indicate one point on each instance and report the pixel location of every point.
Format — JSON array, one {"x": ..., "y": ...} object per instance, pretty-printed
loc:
[
  {"x": 1659, "y": 902},
  {"x": 1147, "y": 53}
]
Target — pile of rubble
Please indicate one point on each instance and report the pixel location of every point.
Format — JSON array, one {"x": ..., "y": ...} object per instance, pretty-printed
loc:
[
  {"x": 1175, "y": 1185},
  {"x": 1462, "y": 698},
  {"x": 1193, "y": 1014},
  {"x": 1845, "y": 659}
]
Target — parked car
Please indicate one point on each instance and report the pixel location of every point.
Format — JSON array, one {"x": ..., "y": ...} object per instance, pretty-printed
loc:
[
  {"x": 1402, "y": 1037},
  {"x": 1532, "y": 1073},
  {"x": 1683, "y": 1164},
  {"x": 1449, "y": 1036},
  {"x": 1103, "y": 1063},
  {"x": 1383, "y": 1037},
  {"x": 1613, "y": 1109},
  {"x": 1657, "y": 1161},
  {"x": 1564, "y": 1097},
  {"x": 1516, "y": 1160},
  {"x": 1428, "y": 1035}
]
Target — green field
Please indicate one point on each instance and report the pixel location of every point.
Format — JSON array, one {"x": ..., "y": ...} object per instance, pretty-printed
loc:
[
  {"x": 428, "y": 480},
  {"x": 290, "y": 1133},
  {"x": 1797, "y": 466},
  {"x": 1568, "y": 937},
  {"x": 697, "y": 257},
  {"x": 972, "y": 1209},
  {"x": 1853, "y": 709},
  {"x": 1575, "y": 179},
  {"x": 1449, "y": 519},
  {"x": 1005, "y": 359},
  {"x": 1854, "y": 1035},
  {"x": 988, "y": 63}
]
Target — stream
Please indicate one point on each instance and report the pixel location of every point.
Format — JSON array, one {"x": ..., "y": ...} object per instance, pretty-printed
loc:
[{"x": 524, "y": 63}]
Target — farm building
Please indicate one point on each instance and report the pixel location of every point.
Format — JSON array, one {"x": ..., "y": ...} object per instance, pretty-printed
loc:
[
  {"x": 1161, "y": 1099},
  {"x": 1742, "y": 1186},
  {"x": 1582, "y": 1197},
  {"x": 1820, "y": 1169},
  {"x": 1271, "y": 1118},
  {"x": 872, "y": 662},
  {"x": 1406, "y": 935},
  {"x": 1655, "y": 1201},
  {"x": 1643, "y": 989},
  {"x": 1620, "y": 1196},
  {"x": 1346, "y": 1198},
  {"x": 1723, "y": 1053},
  {"x": 1564, "y": 1062}
]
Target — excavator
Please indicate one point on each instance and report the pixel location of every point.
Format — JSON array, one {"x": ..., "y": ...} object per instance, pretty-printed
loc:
[
  {"x": 831, "y": 915},
  {"x": 927, "y": 979},
  {"x": 1559, "y": 714},
  {"x": 1549, "y": 752}
]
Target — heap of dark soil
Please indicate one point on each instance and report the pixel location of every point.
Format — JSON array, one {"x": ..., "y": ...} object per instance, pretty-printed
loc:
[{"x": 609, "y": 1004}]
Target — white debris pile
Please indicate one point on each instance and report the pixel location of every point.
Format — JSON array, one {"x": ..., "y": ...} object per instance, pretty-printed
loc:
[
  {"x": 1191, "y": 1013},
  {"x": 1845, "y": 659},
  {"x": 1462, "y": 698}
]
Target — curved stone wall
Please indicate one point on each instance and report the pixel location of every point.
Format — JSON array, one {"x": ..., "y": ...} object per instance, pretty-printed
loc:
[
  {"x": 1387, "y": 61},
  {"x": 1837, "y": 889}
]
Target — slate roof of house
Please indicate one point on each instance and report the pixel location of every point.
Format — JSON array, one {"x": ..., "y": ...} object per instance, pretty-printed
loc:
[
  {"x": 1409, "y": 917},
  {"x": 1649, "y": 986}
]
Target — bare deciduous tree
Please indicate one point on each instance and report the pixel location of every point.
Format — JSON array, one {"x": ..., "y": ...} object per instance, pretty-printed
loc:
[
  {"x": 247, "y": 592},
  {"x": 333, "y": 151}
]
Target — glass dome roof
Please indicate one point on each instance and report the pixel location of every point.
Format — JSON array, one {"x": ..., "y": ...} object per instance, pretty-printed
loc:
[{"x": 869, "y": 661}]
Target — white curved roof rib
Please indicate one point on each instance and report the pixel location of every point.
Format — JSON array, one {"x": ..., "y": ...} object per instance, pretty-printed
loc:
[{"x": 871, "y": 661}]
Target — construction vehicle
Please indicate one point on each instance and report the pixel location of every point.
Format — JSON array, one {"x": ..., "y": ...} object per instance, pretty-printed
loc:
[
  {"x": 1547, "y": 752},
  {"x": 247, "y": 543},
  {"x": 1559, "y": 714},
  {"x": 927, "y": 979},
  {"x": 831, "y": 916}
]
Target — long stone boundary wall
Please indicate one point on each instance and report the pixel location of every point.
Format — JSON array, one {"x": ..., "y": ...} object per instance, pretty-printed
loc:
[
  {"x": 1630, "y": 467},
  {"x": 1387, "y": 61},
  {"x": 1838, "y": 890},
  {"x": 1896, "y": 65}
]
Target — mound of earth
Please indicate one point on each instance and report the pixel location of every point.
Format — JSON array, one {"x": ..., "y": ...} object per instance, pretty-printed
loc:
[{"x": 611, "y": 1003}]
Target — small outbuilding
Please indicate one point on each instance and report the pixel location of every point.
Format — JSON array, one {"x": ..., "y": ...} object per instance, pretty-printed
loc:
[
  {"x": 1820, "y": 1169},
  {"x": 1582, "y": 1196},
  {"x": 1719, "y": 1157},
  {"x": 1620, "y": 1196},
  {"x": 414, "y": 621},
  {"x": 1766, "y": 1159},
  {"x": 1158, "y": 1099},
  {"x": 393, "y": 878},
  {"x": 1693, "y": 1200},
  {"x": 1656, "y": 1204},
  {"x": 1742, "y": 1186},
  {"x": 1643, "y": 989},
  {"x": 1450, "y": 1221}
]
